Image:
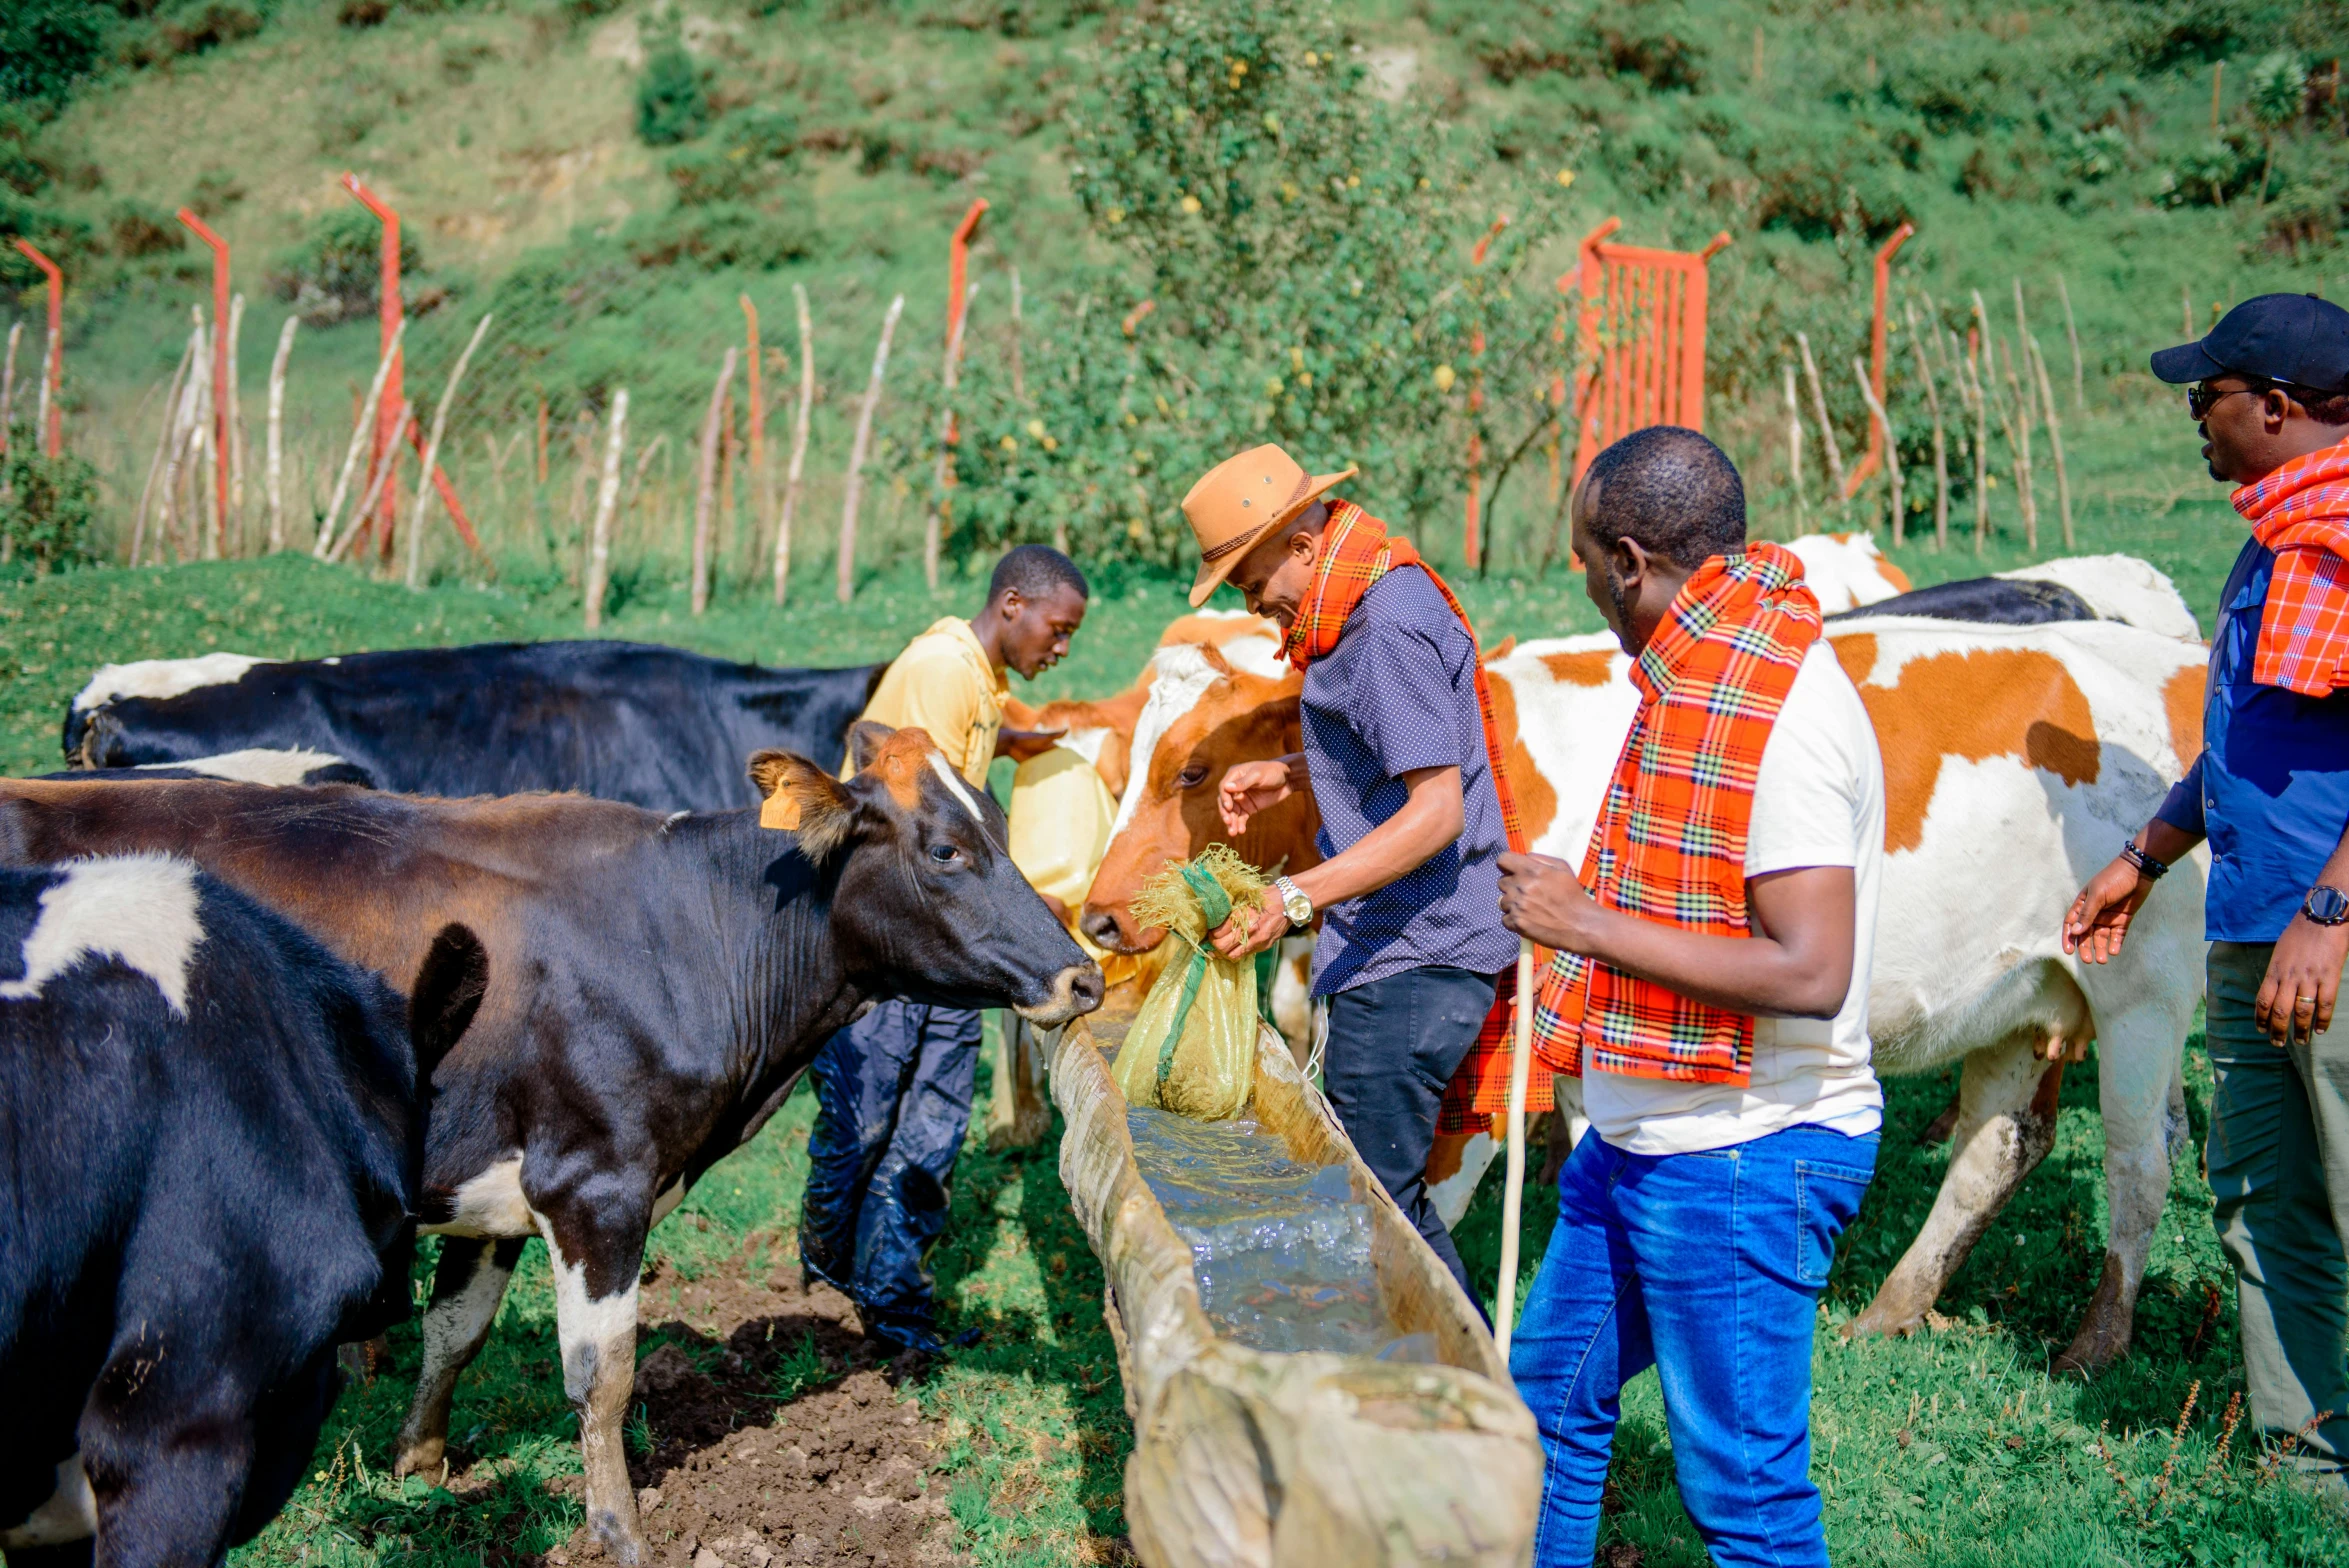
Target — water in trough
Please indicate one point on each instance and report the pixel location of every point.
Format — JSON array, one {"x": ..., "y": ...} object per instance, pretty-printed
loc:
[{"x": 1281, "y": 1249}]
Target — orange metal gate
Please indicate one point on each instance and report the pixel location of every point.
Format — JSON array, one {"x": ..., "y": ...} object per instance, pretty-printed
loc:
[{"x": 1640, "y": 359}]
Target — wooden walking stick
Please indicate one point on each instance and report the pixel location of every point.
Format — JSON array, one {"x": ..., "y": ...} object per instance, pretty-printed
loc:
[
  {"x": 607, "y": 499},
  {"x": 855, "y": 485},
  {"x": 1513, "y": 1194},
  {"x": 709, "y": 479},
  {"x": 791, "y": 479}
]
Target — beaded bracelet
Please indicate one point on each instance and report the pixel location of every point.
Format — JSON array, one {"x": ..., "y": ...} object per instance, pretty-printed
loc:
[{"x": 2147, "y": 867}]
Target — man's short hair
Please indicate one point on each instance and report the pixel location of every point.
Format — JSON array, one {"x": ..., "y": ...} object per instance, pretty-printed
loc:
[
  {"x": 1673, "y": 491},
  {"x": 1035, "y": 571}
]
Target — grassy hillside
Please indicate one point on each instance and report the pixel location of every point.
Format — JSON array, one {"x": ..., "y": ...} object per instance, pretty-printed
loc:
[{"x": 832, "y": 146}]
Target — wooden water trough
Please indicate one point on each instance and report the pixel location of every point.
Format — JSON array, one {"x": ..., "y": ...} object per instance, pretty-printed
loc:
[{"x": 1309, "y": 1460}]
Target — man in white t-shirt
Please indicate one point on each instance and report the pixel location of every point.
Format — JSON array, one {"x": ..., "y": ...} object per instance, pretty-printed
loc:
[{"x": 1714, "y": 998}]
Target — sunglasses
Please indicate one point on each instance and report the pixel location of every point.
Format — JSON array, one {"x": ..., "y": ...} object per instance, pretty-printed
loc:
[{"x": 2202, "y": 397}]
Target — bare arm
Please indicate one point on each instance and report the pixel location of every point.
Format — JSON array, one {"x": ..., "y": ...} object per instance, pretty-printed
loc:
[
  {"x": 1429, "y": 820},
  {"x": 1797, "y": 963}
]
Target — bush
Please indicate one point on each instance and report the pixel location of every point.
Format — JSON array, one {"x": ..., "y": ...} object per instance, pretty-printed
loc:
[
  {"x": 143, "y": 229},
  {"x": 47, "y": 508},
  {"x": 335, "y": 273},
  {"x": 671, "y": 104},
  {"x": 739, "y": 161},
  {"x": 722, "y": 234},
  {"x": 2212, "y": 175},
  {"x": 1651, "y": 40},
  {"x": 45, "y": 47}
]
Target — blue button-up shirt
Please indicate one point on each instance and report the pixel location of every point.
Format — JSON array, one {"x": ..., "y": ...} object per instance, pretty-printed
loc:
[
  {"x": 1398, "y": 692},
  {"x": 2271, "y": 788}
]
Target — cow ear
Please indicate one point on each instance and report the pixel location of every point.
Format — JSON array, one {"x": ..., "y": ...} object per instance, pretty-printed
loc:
[
  {"x": 802, "y": 798},
  {"x": 446, "y": 996},
  {"x": 865, "y": 738}
]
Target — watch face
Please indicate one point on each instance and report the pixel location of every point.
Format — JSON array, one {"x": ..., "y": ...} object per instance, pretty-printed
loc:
[{"x": 2327, "y": 906}]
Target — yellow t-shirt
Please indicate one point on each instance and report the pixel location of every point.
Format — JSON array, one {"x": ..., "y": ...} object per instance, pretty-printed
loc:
[{"x": 943, "y": 684}]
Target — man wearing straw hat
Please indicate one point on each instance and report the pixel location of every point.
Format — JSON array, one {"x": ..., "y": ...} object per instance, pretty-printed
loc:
[
  {"x": 1711, "y": 994},
  {"x": 1402, "y": 757}
]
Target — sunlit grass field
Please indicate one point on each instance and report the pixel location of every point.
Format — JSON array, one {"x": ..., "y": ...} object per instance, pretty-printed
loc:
[{"x": 1952, "y": 1447}]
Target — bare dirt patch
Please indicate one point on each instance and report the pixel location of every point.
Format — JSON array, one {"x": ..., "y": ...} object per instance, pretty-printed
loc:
[{"x": 768, "y": 1432}]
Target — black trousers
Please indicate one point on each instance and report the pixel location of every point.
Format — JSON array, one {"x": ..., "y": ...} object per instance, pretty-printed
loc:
[{"x": 1393, "y": 1047}]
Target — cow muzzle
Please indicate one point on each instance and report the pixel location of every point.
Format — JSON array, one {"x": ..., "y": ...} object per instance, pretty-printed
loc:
[
  {"x": 1076, "y": 990},
  {"x": 1109, "y": 929}
]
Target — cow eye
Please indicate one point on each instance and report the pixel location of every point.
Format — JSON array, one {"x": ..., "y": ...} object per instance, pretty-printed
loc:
[
  {"x": 945, "y": 854},
  {"x": 1192, "y": 777}
]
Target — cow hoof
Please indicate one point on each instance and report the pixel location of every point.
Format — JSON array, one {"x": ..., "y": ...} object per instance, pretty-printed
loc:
[
  {"x": 2104, "y": 1329},
  {"x": 622, "y": 1541},
  {"x": 1890, "y": 1325},
  {"x": 426, "y": 1456}
]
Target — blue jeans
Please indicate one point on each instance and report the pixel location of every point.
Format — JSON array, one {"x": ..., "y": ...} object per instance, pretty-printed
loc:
[
  {"x": 1707, "y": 1267},
  {"x": 1393, "y": 1046},
  {"x": 893, "y": 1100}
]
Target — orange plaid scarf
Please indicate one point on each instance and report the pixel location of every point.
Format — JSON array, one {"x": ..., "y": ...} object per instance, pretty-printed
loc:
[
  {"x": 1670, "y": 841},
  {"x": 2301, "y": 512},
  {"x": 1356, "y": 551}
]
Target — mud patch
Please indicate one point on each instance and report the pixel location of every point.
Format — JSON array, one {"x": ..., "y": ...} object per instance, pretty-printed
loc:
[{"x": 765, "y": 1431}]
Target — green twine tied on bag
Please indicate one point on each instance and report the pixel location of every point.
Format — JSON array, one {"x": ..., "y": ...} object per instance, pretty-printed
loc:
[{"x": 1215, "y": 907}]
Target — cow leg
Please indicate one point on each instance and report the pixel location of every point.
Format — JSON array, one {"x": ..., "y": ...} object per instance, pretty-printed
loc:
[
  {"x": 2006, "y": 1125},
  {"x": 2140, "y": 1055},
  {"x": 596, "y": 1259},
  {"x": 466, "y": 1289}
]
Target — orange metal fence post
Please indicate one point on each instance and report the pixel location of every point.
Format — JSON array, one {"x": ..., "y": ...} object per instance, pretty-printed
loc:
[
  {"x": 1873, "y": 458},
  {"x": 958, "y": 256},
  {"x": 220, "y": 430},
  {"x": 1640, "y": 358},
  {"x": 391, "y": 412},
  {"x": 53, "y": 372},
  {"x": 1472, "y": 542}
]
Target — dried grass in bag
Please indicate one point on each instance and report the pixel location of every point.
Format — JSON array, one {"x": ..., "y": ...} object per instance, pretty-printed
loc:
[{"x": 1192, "y": 1049}]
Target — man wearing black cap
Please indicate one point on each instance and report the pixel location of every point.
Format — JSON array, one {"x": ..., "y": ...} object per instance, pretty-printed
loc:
[{"x": 2270, "y": 389}]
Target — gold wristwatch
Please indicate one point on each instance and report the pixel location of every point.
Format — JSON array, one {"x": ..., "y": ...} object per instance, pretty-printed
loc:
[{"x": 1294, "y": 903}]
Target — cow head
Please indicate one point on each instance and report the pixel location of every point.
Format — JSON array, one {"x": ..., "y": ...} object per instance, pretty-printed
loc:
[
  {"x": 1202, "y": 717},
  {"x": 926, "y": 904}
]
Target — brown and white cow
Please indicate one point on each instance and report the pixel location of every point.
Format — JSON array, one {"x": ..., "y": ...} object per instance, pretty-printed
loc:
[
  {"x": 2014, "y": 758},
  {"x": 656, "y": 986},
  {"x": 1847, "y": 571}
]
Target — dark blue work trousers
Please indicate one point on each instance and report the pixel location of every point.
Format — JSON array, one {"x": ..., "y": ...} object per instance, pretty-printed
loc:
[
  {"x": 1394, "y": 1045},
  {"x": 893, "y": 1100}
]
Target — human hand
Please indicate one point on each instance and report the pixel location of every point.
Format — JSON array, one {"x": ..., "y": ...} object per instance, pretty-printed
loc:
[
  {"x": 2099, "y": 918},
  {"x": 1025, "y": 745},
  {"x": 1543, "y": 898},
  {"x": 1252, "y": 927},
  {"x": 1250, "y": 787},
  {"x": 2303, "y": 981}
]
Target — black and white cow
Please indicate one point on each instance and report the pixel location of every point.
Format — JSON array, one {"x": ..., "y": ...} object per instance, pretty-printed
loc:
[
  {"x": 254, "y": 765},
  {"x": 2068, "y": 588},
  {"x": 657, "y": 985},
  {"x": 214, "y": 1140},
  {"x": 652, "y": 726}
]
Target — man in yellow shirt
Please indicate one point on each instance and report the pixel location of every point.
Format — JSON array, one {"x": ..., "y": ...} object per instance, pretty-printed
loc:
[{"x": 893, "y": 1089}]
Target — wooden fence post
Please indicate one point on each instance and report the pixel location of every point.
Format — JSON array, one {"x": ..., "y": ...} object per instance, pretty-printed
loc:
[
  {"x": 1891, "y": 451},
  {"x": 1940, "y": 439},
  {"x": 440, "y": 425},
  {"x": 285, "y": 348},
  {"x": 791, "y": 479},
  {"x": 1794, "y": 451},
  {"x": 8, "y": 383},
  {"x": 854, "y": 487},
  {"x": 2055, "y": 441},
  {"x": 1842, "y": 490},
  {"x": 607, "y": 500},
  {"x": 2072, "y": 332},
  {"x": 707, "y": 493},
  {"x": 359, "y": 434}
]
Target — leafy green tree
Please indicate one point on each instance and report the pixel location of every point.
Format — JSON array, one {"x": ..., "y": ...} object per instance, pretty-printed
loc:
[
  {"x": 47, "y": 507},
  {"x": 671, "y": 105},
  {"x": 1287, "y": 258},
  {"x": 46, "y": 46}
]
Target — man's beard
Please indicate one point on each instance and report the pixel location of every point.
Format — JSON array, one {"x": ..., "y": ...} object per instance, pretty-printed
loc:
[{"x": 1617, "y": 597}]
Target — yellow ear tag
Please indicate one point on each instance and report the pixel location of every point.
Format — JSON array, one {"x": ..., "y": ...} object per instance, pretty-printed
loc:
[{"x": 780, "y": 810}]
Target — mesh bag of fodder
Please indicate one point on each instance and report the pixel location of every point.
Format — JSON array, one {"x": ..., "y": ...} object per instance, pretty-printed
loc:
[{"x": 1192, "y": 1049}]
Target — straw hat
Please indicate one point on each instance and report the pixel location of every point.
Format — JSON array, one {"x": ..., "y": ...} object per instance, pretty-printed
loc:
[{"x": 1239, "y": 501}]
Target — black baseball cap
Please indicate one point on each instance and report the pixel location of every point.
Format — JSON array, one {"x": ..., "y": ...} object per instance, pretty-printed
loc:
[{"x": 2295, "y": 338}]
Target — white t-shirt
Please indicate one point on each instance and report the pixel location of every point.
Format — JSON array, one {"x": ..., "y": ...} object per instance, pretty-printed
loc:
[{"x": 1818, "y": 801}]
